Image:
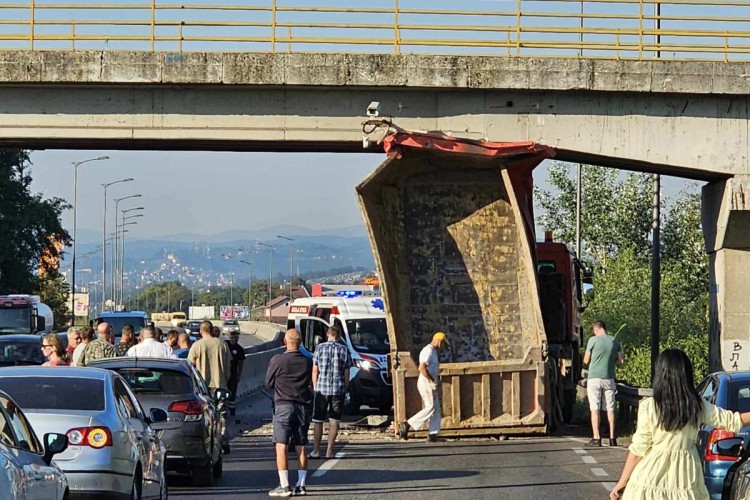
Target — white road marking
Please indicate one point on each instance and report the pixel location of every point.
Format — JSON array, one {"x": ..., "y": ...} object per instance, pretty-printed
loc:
[
  {"x": 609, "y": 486},
  {"x": 328, "y": 465},
  {"x": 580, "y": 451},
  {"x": 598, "y": 471},
  {"x": 588, "y": 459}
]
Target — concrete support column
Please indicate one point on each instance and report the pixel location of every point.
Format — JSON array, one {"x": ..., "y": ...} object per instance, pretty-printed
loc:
[{"x": 726, "y": 227}]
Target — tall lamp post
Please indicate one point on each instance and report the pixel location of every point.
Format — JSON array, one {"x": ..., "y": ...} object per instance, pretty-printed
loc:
[
  {"x": 116, "y": 259},
  {"x": 122, "y": 254},
  {"x": 249, "y": 282},
  {"x": 271, "y": 248},
  {"x": 104, "y": 239},
  {"x": 291, "y": 264},
  {"x": 77, "y": 164},
  {"x": 231, "y": 277}
]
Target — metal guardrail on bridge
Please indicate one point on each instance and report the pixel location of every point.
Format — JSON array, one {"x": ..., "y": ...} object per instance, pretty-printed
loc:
[{"x": 613, "y": 29}]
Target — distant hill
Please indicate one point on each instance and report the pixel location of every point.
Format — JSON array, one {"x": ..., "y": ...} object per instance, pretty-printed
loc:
[{"x": 204, "y": 256}]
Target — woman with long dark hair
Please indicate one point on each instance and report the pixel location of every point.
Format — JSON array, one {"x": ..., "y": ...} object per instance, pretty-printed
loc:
[{"x": 663, "y": 461}]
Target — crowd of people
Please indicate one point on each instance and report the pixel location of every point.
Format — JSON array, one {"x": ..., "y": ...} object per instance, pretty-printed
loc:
[{"x": 219, "y": 362}]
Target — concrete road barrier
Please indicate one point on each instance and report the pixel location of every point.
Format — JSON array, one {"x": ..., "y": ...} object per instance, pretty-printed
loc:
[{"x": 255, "y": 367}]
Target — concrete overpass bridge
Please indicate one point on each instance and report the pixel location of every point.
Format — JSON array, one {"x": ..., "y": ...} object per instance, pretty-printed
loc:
[{"x": 680, "y": 117}]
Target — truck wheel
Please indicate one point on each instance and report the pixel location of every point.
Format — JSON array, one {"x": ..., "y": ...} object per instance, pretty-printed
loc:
[
  {"x": 569, "y": 401},
  {"x": 203, "y": 476}
]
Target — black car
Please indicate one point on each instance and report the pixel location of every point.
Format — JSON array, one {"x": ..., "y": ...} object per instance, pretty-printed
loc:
[
  {"x": 192, "y": 433},
  {"x": 23, "y": 349},
  {"x": 193, "y": 327}
]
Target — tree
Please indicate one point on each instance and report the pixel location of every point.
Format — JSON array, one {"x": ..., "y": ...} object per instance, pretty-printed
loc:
[
  {"x": 615, "y": 214},
  {"x": 55, "y": 291},
  {"x": 616, "y": 218},
  {"x": 169, "y": 296},
  {"x": 30, "y": 225}
]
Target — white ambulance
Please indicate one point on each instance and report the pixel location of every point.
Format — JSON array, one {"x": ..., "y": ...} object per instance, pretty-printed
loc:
[{"x": 362, "y": 321}]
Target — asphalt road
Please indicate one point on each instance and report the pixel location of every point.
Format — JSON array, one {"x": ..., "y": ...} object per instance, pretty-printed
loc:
[
  {"x": 528, "y": 468},
  {"x": 246, "y": 339}
]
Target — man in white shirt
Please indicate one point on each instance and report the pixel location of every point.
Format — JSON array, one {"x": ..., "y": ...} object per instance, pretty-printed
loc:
[
  {"x": 150, "y": 347},
  {"x": 428, "y": 386}
]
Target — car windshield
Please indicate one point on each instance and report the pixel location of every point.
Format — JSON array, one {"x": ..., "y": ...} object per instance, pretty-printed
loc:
[
  {"x": 231, "y": 322},
  {"x": 739, "y": 396},
  {"x": 156, "y": 381},
  {"x": 55, "y": 392},
  {"x": 369, "y": 335},
  {"x": 119, "y": 321},
  {"x": 15, "y": 320},
  {"x": 20, "y": 352}
]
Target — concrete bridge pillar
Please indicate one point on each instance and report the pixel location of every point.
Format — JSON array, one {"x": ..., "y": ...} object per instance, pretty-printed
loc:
[{"x": 726, "y": 228}]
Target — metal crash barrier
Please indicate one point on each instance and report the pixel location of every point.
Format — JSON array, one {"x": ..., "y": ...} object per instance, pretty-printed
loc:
[
  {"x": 610, "y": 29},
  {"x": 629, "y": 398},
  {"x": 256, "y": 363}
]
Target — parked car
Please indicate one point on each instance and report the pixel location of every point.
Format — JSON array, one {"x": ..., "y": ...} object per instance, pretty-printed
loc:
[
  {"x": 229, "y": 326},
  {"x": 28, "y": 471},
  {"x": 23, "y": 349},
  {"x": 192, "y": 433},
  {"x": 192, "y": 327},
  {"x": 112, "y": 449},
  {"x": 178, "y": 319},
  {"x": 729, "y": 390}
]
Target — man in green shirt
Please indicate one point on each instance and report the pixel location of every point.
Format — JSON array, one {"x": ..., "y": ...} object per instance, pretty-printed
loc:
[{"x": 602, "y": 354}]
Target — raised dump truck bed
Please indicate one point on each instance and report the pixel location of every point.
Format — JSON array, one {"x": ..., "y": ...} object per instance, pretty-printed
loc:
[{"x": 451, "y": 226}]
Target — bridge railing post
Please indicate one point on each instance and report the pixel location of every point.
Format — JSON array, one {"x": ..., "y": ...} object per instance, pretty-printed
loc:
[
  {"x": 31, "y": 24},
  {"x": 396, "y": 33},
  {"x": 518, "y": 28},
  {"x": 153, "y": 25},
  {"x": 273, "y": 26}
]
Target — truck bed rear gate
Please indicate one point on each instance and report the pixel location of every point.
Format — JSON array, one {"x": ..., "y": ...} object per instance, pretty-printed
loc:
[{"x": 451, "y": 225}]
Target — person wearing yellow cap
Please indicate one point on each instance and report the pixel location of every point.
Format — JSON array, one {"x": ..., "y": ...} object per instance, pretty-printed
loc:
[{"x": 427, "y": 384}]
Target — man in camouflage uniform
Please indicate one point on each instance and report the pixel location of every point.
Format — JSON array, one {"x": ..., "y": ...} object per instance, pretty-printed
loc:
[
  {"x": 100, "y": 347},
  {"x": 126, "y": 340}
]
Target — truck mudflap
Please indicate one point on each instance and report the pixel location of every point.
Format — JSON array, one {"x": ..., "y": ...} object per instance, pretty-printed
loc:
[{"x": 452, "y": 229}]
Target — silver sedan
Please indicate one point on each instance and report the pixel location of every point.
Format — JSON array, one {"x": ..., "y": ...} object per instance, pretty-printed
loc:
[
  {"x": 112, "y": 450},
  {"x": 28, "y": 471}
]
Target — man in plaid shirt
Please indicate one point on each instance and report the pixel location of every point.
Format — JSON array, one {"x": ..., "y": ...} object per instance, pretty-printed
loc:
[{"x": 330, "y": 378}]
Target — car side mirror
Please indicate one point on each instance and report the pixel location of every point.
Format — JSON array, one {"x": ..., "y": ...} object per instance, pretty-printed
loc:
[
  {"x": 53, "y": 444},
  {"x": 156, "y": 415},
  {"x": 729, "y": 447},
  {"x": 221, "y": 395},
  {"x": 40, "y": 323}
]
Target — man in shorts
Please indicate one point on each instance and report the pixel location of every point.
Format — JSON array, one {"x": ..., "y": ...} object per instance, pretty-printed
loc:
[
  {"x": 289, "y": 376},
  {"x": 330, "y": 380},
  {"x": 602, "y": 354}
]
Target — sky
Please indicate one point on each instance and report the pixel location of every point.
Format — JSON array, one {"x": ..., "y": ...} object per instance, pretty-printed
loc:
[
  {"x": 208, "y": 192},
  {"x": 213, "y": 192}
]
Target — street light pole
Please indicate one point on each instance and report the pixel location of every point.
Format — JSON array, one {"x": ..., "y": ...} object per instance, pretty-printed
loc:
[
  {"x": 77, "y": 164},
  {"x": 104, "y": 241},
  {"x": 291, "y": 264},
  {"x": 249, "y": 281},
  {"x": 116, "y": 260},
  {"x": 122, "y": 255},
  {"x": 271, "y": 248}
]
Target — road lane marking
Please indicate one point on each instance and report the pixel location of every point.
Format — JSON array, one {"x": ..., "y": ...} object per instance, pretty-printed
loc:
[
  {"x": 580, "y": 451},
  {"x": 328, "y": 465},
  {"x": 609, "y": 486},
  {"x": 598, "y": 471},
  {"x": 588, "y": 459}
]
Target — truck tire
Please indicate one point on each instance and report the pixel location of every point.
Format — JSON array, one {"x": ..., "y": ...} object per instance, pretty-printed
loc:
[
  {"x": 203, "y": 476},
  {"x": 569, "y": 401}
]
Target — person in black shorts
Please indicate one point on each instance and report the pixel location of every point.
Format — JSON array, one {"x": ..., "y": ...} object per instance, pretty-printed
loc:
[
  {"x": 289, "y": 376},
  {"x": 237, "y": 355},
  {"x": 330, "y": 379}
]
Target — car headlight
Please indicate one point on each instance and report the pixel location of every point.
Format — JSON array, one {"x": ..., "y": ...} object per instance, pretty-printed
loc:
[{"x": 366, "y": 364}]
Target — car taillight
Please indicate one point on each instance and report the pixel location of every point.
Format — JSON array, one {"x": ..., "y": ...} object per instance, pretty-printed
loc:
[
  {"x": 95, "y": 437},
  {"x": 718, "y": 435},
  {"x": 193, "y": 410}
]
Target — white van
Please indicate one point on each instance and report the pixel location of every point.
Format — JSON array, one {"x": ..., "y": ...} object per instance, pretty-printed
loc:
[{"x": 362, "y": 321}]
